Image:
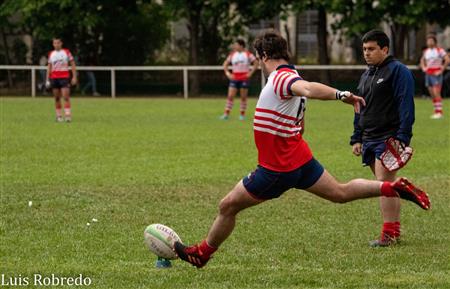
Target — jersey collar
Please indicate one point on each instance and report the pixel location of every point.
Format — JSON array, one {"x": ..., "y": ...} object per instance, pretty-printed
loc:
[{"x": 289, "y": 66}]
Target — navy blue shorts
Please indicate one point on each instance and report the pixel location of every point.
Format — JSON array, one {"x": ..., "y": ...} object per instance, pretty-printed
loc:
[
  {"x": 238, "y": 83},
  {"x": 265, "y": 184},
  {"x": 60, "y": 82},
  {"x": 433, "y": 80},
  {"x": 372, "y": 150}
]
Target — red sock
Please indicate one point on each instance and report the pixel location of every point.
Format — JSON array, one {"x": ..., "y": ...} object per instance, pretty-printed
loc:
[
  {"x": 392, "y": 229},
  {"x": 388, "y": 191},
  {"x": 207, "y": 249}
]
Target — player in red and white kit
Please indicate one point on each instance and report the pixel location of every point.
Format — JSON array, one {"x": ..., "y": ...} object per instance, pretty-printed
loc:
[
  {"x": 243, "y": 65},
  {"x": 284, "y": 158},
  {"x": 59, "y": 78},
  {"x": 433, "y": 62}
]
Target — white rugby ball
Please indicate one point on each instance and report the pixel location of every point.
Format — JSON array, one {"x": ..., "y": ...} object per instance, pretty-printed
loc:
[{"x": 160, "y": 240}]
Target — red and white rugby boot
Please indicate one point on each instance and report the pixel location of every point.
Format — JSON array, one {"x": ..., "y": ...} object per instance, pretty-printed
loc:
[{"x": 406, "y": 190}]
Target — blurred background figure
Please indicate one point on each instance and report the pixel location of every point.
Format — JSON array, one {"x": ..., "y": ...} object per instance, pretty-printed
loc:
[
  {"x": 91, "y": 84},
  {"x": 433, "y": 63},
  {"x": 243, "y": 65},
  {"x": 59, "y": 78},
  {"x": 42, "y": 75}
]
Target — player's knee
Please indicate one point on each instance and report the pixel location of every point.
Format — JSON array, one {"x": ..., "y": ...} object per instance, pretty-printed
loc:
[
  {"x": 339, "y": 195},
  {"x": 228, "y": 206}
]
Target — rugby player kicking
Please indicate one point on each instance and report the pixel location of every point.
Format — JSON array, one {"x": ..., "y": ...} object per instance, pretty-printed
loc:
[{"x": 284, "y": 158}]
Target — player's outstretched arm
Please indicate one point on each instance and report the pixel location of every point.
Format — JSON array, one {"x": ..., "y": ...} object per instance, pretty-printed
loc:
[{"x": 321, "y": 91}]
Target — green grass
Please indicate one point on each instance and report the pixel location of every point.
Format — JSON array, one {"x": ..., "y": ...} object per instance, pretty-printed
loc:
[{"x": 130, "y": 163}]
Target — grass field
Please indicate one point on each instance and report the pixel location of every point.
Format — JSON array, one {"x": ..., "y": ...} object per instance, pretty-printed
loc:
[{"x": 133, "y": 162}]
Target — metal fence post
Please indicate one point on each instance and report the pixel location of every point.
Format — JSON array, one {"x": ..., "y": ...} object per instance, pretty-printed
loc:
[
  {"x": 185, "y": 83},
  {"x": 113, "y": 83},
  {"x": 33, "y": 82}
]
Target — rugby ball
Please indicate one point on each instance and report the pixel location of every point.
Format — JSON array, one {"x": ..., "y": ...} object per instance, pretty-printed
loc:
[{"x": 160, "y": 239}]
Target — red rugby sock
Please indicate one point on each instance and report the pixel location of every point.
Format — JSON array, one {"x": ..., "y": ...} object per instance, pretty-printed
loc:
[
  {"x": 391, "y": 229},
  {"x": 207, "y": 249},
  {"x": 388, "y": 191}
]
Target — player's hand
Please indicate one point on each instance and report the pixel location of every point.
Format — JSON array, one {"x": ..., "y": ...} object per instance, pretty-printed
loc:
[
  {"x": 350, "y": 98},
  {"x": 249, "y": 75},
  {"x": 229, "y": 76},
  {"x": 398, "y": 144},
  {"x": 47, "y": 84},
  {"x": 356, "y": 149},
  {"x": 73, "y": 81}
]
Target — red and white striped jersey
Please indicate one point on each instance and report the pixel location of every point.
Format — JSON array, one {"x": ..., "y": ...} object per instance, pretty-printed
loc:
[
  {"x": 240, "y": 64},
  {"x": 434, "y": 58},
  {"x": 278, "y": 123},
  {"x": 59, "y": 59}
]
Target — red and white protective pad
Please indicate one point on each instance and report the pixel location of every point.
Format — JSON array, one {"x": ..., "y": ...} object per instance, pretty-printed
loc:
[{"x": 395, "y": 158}]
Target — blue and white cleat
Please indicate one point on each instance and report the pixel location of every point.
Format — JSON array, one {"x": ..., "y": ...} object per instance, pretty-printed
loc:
[
  {"x": 241, "y": 117},
  {"x": 224, "y": 117}
]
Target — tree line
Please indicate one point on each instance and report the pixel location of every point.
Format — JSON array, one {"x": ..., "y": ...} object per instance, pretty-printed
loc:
[{"x": 121, "y": 32}]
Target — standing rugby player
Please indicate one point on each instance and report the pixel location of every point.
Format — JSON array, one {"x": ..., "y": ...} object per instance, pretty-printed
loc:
[
  {"x": 387, "y": 87},
  {"x": 243, "y": 65},
  {"x": 59, "y": 78},
  {"x": 433, "y": 62},
  {"x": 284, "y": 158}
]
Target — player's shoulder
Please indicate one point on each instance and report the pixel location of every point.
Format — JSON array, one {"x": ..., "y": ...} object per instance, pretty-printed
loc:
[
  {"x": 249, "y": 53},
  {"x": 67, "y": 51},
  {"x": 398, "y": 66},
  {"x": 441, "y": 50}
]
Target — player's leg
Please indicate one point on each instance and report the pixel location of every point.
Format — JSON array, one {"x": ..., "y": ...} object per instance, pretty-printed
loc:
[
  {"x": 232, "y": 91},
  {"x": 58, "y": 104},
  {"x": 65, "y": 91},
  {"x": 434, "y": 84},
  {"x": 390, "y": 209},
  {"x": 328, "y": 188},
  {"x": 437, "y": 100},
  {"x": 234, "y": 202},
  {"x": 244, "y": 94}
]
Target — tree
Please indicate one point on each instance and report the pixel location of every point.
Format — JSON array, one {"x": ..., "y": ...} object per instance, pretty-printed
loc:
[
  {"x": 359, "y": 16},
  {"x": 119, "y": 32}
]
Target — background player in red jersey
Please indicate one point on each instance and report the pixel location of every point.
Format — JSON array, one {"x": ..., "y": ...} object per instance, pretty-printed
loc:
[
  {"x": 243, "y": 65},
  {"x": 59, "y": 78},
  {"x": 284, "y": 158},
  {"x": 433, "y": 62}
]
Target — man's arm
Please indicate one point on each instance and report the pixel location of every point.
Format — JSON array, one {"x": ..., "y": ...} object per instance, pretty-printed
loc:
[
  {"x": 446, "y": 62},
  {"x": 403, "y": 86},
  {"x": 226, "y": 65},
  {"x": 315, "y": 90},
  {"x": 47, "y": 79},
  {"x": 423, "y": 64},
  {"x": 74, "y": 72},
  {"x": 253, "y": 69}
]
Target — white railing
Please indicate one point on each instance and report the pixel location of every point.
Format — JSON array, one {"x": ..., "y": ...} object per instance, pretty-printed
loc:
[{"x": 184, "y": 69}]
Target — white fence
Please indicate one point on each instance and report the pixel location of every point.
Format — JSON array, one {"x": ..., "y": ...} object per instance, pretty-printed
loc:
[{"x": 183, "y": 69}]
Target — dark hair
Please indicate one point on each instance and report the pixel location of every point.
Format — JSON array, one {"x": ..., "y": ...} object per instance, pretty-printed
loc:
[
  {"x": 377, "y": 35},
  {"x": 57, "y": 38},
  {"x": 241, "y": 42},
  {"x": 432, "y": 36},
  {"x": 272, "y": 45}
]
